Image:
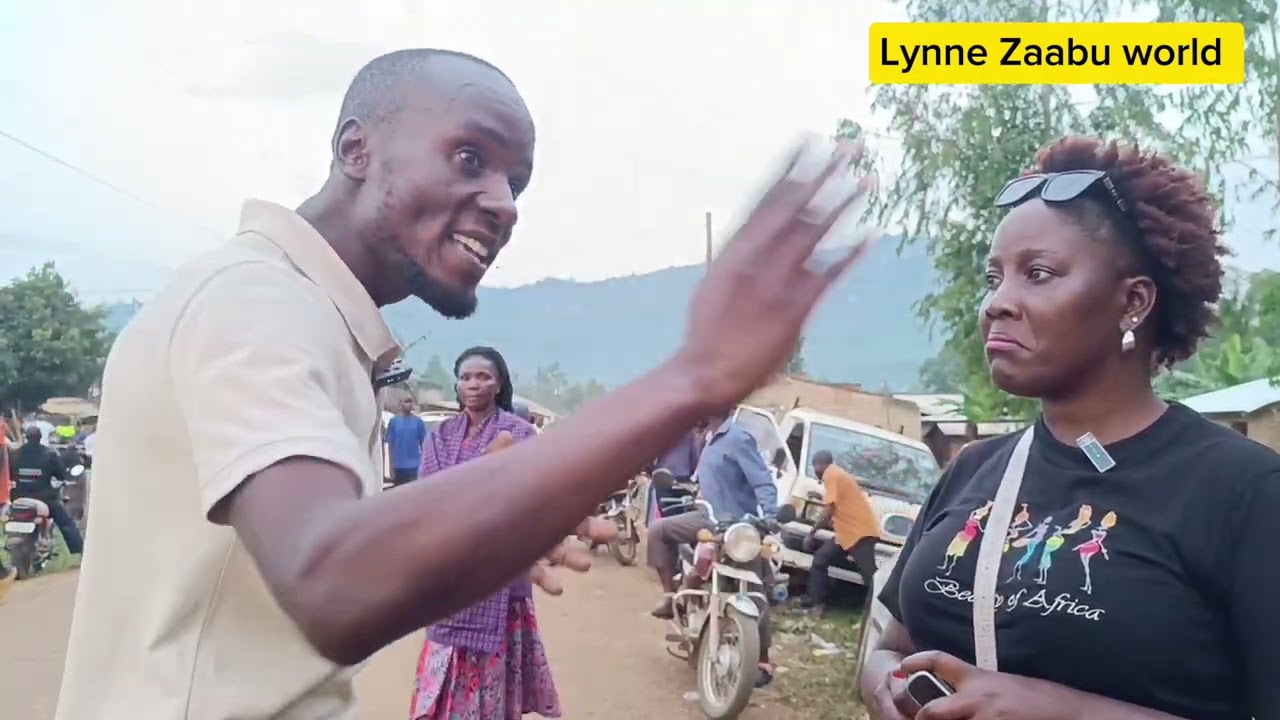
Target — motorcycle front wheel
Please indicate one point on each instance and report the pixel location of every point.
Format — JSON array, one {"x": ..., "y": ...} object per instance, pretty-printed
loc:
[
  {"x": 726, "y": 681},
  {"x": 627, "y": 546}
]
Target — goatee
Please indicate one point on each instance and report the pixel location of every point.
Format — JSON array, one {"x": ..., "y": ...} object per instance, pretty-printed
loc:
[{"x": 449, "y": 302}]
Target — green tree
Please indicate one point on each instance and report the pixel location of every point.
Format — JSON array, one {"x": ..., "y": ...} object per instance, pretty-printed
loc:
[
  {"x": 1245, "y": 347},
  {"x": 941, "y": 374},
  {"x": 50, "y": 345},
  {"x": 961, "y": 143},
  {"x": 550, "y": 386},
  {"x": 436, "y": 374}
]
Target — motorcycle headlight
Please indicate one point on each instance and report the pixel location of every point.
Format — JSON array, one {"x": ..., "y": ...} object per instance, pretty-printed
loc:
[{"x": 742, "y": 543}]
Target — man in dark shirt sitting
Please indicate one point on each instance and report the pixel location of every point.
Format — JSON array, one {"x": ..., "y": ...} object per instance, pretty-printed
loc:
[
  {"x": 35, "y": 467},
  {"x": 681, "y": 461}
]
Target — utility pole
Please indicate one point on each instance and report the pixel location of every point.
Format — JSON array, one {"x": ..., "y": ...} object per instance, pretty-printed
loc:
[{"x": 708, "y": 227}]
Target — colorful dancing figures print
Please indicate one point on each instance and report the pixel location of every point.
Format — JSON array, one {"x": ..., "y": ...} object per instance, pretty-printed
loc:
[
  {"x": 1032, "y": 543},
  {"x": 960, "y": 544},
  {"x": 1093, "y": 546},
  {"x": 1051, "y": 546},
  {"x": 1058, "y": 538},
  {"x": 1021, "y": 523}
]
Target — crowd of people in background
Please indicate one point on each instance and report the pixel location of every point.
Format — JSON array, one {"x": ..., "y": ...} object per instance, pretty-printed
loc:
[{"x": 31, "y": 463}]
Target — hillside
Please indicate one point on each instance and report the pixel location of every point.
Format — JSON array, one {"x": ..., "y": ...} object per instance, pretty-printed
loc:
[{"x": 613, "y": 330}]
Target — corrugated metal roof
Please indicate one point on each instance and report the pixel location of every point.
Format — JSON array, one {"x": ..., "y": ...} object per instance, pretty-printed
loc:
[
  {"x": 934, "y": 404},
  {"x": 1236, "y": 400}
]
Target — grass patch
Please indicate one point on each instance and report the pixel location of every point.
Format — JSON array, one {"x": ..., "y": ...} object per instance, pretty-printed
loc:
[
  {"x": 62, "y": 561},
  {"x": 816, "y": 685}
]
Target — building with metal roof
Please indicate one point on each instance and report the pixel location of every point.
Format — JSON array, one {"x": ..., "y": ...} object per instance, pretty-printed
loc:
[{"x": 1252, "y": 409}]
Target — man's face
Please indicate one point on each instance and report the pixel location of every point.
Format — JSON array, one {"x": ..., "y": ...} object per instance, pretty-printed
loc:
[
  {"x": 406, "y": 406},
  {"x": 820, "y": 467},
  {"x": 446, "y": 170}
]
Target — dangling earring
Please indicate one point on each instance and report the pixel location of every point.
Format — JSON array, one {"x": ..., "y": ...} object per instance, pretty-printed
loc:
[{"x": 1127, "y": 341}]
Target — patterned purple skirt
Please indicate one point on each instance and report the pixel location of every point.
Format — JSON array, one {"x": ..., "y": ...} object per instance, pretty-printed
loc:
[{"x": 460, "y": 684}]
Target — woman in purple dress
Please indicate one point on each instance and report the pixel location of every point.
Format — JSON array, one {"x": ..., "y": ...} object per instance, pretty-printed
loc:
[{"x": 486, "y": 662}]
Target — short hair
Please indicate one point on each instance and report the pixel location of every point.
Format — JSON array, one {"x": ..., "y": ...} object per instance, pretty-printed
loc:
[
  {"x": 1179, "y": 238},
  {"x": 823, "y": 457},
  {"x": 372, "y": 93}
]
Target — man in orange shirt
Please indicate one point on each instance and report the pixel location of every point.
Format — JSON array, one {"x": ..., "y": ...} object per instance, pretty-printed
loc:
[{"x": 856, "y": 530}]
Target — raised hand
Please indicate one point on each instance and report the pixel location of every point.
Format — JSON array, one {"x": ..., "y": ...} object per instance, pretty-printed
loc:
[{"x": 747, "y": 315}]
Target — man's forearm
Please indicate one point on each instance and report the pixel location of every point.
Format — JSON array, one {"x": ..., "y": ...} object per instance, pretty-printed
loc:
[{"x": 382, "y": 568}]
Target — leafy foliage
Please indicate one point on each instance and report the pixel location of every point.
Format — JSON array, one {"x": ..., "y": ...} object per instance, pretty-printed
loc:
[
  {"x": 50, "y": 345},
  {"x": 436, "y": 374},
  {"x": 551, "y": 387},
  {"x": 1246, "y": 346},
  {"x": 960, "y": 144}
]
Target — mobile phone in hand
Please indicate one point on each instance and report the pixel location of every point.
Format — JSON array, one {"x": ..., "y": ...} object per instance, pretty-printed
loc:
[{"x": 924, "y": 687}]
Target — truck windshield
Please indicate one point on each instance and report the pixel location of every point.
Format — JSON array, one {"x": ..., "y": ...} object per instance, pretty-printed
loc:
[{"x": 878, "y": 464}]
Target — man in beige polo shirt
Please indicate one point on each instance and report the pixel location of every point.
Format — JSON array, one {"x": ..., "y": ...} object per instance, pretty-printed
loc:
[{"x": 244, "y": 562}]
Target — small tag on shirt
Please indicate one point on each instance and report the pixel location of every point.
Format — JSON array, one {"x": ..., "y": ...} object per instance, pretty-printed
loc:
[{"x": 1097, "y": 454}]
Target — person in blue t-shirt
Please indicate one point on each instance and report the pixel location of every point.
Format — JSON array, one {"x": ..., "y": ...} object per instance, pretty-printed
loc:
[{"x": 405, "y": 435}]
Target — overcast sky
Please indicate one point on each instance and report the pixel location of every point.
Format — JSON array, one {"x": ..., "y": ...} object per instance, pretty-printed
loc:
[{"x": 648, "y": 115}]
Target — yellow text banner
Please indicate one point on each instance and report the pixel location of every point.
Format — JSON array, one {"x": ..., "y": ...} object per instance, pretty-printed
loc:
[{"x": 1057, "y": 53}]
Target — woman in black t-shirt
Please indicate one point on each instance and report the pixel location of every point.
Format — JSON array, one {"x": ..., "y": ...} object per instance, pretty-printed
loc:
[{"x": 1142, "y": 590}]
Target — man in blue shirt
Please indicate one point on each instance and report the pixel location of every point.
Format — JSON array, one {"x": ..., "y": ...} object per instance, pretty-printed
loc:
[
  {"x": 734, "y": 479},
  {"x": 405, "y": 434}
]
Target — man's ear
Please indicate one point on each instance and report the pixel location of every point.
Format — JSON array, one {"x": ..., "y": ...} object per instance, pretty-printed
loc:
[{"x": 351, "y": 149}]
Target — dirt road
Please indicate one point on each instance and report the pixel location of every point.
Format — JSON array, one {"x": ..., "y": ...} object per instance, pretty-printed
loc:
[{"x": 607, "y": 653}]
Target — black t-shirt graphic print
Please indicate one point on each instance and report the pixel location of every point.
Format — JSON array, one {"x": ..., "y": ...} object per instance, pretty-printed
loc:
[{"x": 1150, "y": 583}]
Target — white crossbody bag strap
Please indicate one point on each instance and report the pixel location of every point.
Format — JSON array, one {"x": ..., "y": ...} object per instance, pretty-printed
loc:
[{"x": 992, "y": 550}]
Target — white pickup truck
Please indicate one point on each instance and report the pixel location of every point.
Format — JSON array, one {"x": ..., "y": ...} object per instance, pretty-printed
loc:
[{"x": 896, "y": 472}]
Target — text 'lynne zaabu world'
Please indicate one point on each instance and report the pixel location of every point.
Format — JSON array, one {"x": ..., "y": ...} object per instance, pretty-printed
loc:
[{"x": 1057, "y": 53}]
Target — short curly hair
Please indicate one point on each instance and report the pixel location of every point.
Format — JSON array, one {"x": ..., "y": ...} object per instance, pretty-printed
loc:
[{"x": 1178, "y": 231}]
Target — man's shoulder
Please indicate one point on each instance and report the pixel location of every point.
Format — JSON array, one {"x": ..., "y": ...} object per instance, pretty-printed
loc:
[{"x": 238, "y": 282}]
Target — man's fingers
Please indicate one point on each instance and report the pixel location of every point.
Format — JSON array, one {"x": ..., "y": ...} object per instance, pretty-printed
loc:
[
  {"x": 808, "y": 168},
  {"x": 547, "y": 580},
  {"x": 576, "y": 557},
  {"x": 597, "y": 530},
  {"x": 825, "y": 277}
]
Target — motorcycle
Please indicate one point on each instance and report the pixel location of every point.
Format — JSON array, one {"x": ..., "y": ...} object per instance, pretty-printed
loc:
[
  {"x": 679, "y": 495},
  {"x": 28, "y": 530},
  {"x": 623, "y": 510},
  {"x": 717, "y": 611}
]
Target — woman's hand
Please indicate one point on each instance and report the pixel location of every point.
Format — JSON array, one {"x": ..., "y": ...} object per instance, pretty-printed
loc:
[
  {"x": 883, "y": 704},
  {"x": 979, "y": 694},
  {"x": 503, "y": 441}
]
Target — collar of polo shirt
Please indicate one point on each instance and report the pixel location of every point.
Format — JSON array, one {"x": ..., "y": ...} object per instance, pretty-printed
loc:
[{"x": 313, "y": 255}]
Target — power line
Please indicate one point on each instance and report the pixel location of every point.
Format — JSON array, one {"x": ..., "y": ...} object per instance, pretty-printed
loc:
[{"x": 101, "y": 181}]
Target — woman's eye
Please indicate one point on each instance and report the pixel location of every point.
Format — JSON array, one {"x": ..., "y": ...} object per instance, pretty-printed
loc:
[
  {"x": 1039, "y": 274},
  {"x": 992, "y": 281}
]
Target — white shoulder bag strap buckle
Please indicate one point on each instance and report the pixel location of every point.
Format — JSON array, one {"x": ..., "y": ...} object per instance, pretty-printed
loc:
[{"x": 991, "y": 551}]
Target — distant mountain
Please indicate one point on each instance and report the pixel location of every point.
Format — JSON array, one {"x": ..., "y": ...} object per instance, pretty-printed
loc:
[{"x": 613, "y": 330}]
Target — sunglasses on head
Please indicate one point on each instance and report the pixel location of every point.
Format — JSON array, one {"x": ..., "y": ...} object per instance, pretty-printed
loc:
[{"x": 1059, "y": 188}]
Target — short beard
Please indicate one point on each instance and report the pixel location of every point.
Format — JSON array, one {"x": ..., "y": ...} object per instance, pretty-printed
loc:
[{"x": 451, "y": 303}]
